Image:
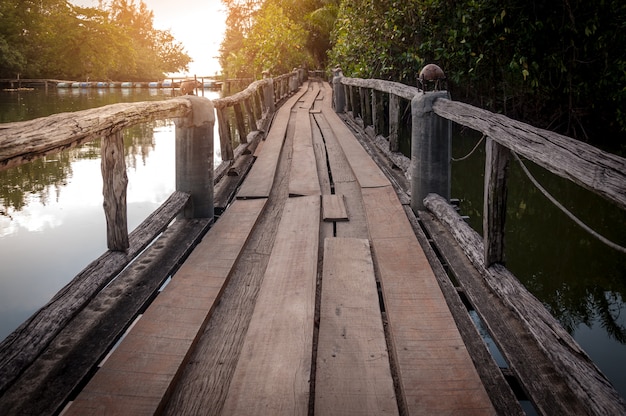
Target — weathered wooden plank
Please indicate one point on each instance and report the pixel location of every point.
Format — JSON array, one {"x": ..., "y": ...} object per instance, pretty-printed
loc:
[
  {"x": 272, "y": 375},
  {"x": 311, "y": 96},
  {"x": 592, "y": 168},
  {"x": 594, "y": 392},
  {"x": 353, "y": 375},
  {"x": 334, "y": 208},
  {"x": 258, "y": 183},
  {"x": 303, "y": 179},
  {"x": 27, "y": 140},
  {"x": 45, "y": 385},
  {"x": 22, "y": 346},
  {"x": 437, "y": 375},
  {"x": 345, "y": 184},
  {"x": 204, "y": 385},
  {"x": 180, "y": 312},
  {"x": 494, "y": 206},
  {"x": 365, "y": 169},
  {"x": 115, "y": 181}
]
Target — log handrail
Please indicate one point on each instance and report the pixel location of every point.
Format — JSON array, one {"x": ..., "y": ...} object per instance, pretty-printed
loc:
[{"x": 566, "y": 157}]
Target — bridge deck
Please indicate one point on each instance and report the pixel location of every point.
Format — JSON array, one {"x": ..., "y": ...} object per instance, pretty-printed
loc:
[{"x": 277, "y": 310}]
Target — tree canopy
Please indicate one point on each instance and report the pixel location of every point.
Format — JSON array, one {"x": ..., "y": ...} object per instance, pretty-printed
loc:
[
  {"x": 558, "y": 64},
  {"x": 55, "y": 39},
  {"x": 276, "y": 35}
]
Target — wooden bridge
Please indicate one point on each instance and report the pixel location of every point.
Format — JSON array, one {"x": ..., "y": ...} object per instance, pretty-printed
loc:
[{"x": 316, "y": 290}]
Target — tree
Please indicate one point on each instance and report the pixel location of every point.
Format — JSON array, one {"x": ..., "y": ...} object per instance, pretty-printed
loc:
[
  {"x": 277, "y": 35},
  {"x": 558, "y": 65},
  {"x": 55, "y": 39}
]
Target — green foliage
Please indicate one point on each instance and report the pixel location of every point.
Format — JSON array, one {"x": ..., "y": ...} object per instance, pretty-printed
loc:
[
  {"x": 558, "y": 64},
  {"x": 277, "y": 35},
  {"x": 55, "y": 39}
]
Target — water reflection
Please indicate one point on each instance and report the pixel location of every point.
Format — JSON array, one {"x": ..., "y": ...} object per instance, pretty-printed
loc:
[
  {"x": 51, "y": 217},
  {"x": 580, "y": 280}
]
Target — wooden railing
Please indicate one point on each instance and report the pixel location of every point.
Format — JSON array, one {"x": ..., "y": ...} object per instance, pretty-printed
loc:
[
  {"x": 194, "y": 117},
  {"x": 520, "y": 325},
  {"x": 598, "y": 171}
]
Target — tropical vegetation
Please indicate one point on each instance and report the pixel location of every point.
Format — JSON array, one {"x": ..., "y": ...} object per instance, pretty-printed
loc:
[
  {"x": 56, "y": 39},
  {"x": 557, "y": 64}
]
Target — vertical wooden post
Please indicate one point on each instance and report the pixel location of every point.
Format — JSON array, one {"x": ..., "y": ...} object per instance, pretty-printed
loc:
[
  {"x": 395, "y": 119},
  {"x": 249, "y": 106},
  {"x": 194, "y": 157},
  {"x": 115, "y": 182},
  {"x": 494, "y": 206},
  {"x": 240, "y": 123},
  {"x": 258, "y": 104},
  {"x": 226, "y": 141},
  {"x": 378, "y": 112},
  {"x": 431, "y": 139},
  {"x": 356, "y": 102},
  {"x": 339, "y": 94},
  {"x": 269, "y": 94},
  {"x": 348, "y": 96},
  {"x": 366, "y": 106}
]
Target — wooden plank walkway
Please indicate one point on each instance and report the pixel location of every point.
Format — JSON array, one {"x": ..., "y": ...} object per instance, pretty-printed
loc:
[{"x": 277, "y": 311}]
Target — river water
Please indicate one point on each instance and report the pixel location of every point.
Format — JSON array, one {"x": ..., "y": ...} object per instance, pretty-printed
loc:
[{"x": 52, "y": 223}]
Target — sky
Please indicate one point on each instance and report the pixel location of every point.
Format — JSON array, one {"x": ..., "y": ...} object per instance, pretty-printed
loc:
[{"x": 197, "y": 24}]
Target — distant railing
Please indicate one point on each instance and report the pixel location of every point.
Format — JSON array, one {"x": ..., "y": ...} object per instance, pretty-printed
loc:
[
  {"x": 194, "y": 117},
  {"x": 383, "y": 106}
]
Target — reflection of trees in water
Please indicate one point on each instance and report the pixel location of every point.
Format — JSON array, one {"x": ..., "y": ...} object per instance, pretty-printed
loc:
[
  {"x": 45, "y": 177},
  {"x": 579, "y": 280}
]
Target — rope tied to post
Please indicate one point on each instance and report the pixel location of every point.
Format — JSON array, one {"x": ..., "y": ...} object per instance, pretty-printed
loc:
[
  {"x": 471, "y": 151},
  {"x": 576, "y": 220}
]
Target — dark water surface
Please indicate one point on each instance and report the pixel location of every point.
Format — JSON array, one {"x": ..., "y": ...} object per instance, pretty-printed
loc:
[
  {"x": 580, "y": 280},
  {"x": 52, "y": 223}
]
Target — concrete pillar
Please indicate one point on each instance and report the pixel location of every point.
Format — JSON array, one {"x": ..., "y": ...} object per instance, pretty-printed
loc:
[
  {"x": 431, "y": 139},
  {"x": 194, "y": 157},
  {"x": 339, "y": 94}
]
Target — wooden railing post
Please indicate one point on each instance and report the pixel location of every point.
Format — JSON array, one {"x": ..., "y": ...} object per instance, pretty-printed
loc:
[
  {"x": 494, "y": 206},
  {"x": 378, "y": 110},
  {"x": 366, "y": 106},
  {"x": 395, "y": 119},
  {"x": 355, "y": 99},
  {"x": 348, "y": 97},
  {"x": 194, "y": 157},
  {"x": 115, "y": 182},
  {"x": 431, "y": 139},
  {"x": 339, "y": 93},
  {"x": 226, "y": 142},
  {"x": 240, "y": 123}
]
